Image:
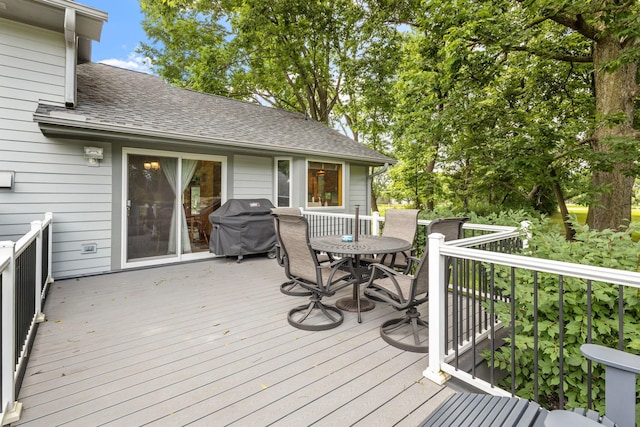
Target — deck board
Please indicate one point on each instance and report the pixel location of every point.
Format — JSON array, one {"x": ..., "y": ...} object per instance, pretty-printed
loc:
[{"x": 208, "y": 343}]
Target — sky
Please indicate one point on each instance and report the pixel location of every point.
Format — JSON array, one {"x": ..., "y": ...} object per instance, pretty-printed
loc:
[{"x": 121, "y": 34}]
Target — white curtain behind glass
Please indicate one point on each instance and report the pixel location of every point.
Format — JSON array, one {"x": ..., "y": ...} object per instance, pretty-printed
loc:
[{"x": 169, "y": 168}]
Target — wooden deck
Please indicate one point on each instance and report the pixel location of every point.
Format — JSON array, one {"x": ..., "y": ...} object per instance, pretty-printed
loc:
[{"x": 208, "y": 344}]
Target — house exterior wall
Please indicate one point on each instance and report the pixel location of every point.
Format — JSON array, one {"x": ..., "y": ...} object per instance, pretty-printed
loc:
[
  {"x": 358, "y": 188},
  {"x": 50, "y": 175},
  {"x": 252, "y": 177}
]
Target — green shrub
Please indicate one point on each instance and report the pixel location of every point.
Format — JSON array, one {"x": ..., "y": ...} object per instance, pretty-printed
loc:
[{"x": 613, "y": 249}]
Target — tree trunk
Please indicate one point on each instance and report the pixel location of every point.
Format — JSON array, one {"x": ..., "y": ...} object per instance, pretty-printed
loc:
[
  {"x": 615, "y": 93},
  {"x": 569, "y": 232},
  {"x": 430, "y": 199}
]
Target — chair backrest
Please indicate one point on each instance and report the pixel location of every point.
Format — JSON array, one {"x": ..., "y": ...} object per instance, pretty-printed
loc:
[
  {"x": 300, "y": 259},
  {"x": 286, "y": 211},
  {"x": 620, "y": 382},
  {"x": 421, "y": 277},
  {"x": 401, "y": 223},
  {"x": 451, "y": 228},
  {"x": 282, "y": 211}
]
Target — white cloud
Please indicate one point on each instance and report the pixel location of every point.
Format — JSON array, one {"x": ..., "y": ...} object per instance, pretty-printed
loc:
[{"x": 135, "y": 62}]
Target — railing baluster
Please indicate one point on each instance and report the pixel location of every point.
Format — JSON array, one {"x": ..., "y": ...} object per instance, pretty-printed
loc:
[
  {"x": 561, "y": 340},
  {"x": 589, "y": 362},
  {"x": 492, "y": 313},
  {"x": 536, "y": 366},
  {"x": 513, "y": 329},
  {"x": 620, "y": 318}
]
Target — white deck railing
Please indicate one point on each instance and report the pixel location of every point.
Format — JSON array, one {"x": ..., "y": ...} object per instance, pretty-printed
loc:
[
  {"x": 486, "y": 247},
  {"x": 25, "y": 273},
  {"x": 442, "y": 354}
]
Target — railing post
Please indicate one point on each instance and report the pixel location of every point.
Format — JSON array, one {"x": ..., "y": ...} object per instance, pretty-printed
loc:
[
  {"x": 375, "y": 223},
  {"x": 10, "y": 408},
  {"x": 48, "y": 218},
  {"x": 39, "y": 316},
  {"x": 437, "y": 301},
  {"x": 525, "y": 229}
]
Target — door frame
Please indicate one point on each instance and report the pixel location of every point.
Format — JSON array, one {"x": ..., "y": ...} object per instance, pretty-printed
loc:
[{"x": 179, "y": 256}]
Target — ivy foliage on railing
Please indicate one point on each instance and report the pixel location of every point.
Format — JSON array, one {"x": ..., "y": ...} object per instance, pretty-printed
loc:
[{"x": 608, "y": 248}]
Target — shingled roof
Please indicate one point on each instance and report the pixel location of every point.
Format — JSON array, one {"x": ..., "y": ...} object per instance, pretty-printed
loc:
[{"x": 120, "y": 101}]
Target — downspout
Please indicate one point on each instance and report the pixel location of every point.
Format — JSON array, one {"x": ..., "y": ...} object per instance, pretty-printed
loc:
[
  {"x": 71, "y": 47},
  {"x": 380, "y": 172}
]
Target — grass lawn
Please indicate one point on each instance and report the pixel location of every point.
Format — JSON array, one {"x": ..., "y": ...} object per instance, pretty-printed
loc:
[{"x": 581, "y": 213}]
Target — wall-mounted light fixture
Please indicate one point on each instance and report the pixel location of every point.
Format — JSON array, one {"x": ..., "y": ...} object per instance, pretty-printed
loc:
[
  {"x": 152, "y": 165},
  {"x": 93, "y": 154}
]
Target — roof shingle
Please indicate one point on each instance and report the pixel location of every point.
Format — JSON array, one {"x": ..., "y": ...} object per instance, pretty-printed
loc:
[{"x": 138, "y": 102}]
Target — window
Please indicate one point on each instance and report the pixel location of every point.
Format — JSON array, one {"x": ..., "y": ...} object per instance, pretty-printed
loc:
[
  {"x": 283, "y": 183},
  {"x": 324, "y": 182}
]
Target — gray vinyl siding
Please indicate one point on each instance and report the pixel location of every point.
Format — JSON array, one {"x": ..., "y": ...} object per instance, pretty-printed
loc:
[
  {"x": 252, "y": 177},
  {"x": 357, "y": 188},
  {"x": 51, "y": 175}
]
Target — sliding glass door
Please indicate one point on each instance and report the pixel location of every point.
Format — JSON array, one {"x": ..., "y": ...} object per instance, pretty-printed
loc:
[{"x": 168, "y": 199}]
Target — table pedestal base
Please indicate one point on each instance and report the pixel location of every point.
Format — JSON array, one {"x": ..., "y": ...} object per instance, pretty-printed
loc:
[{"x": 349, "y": 304}]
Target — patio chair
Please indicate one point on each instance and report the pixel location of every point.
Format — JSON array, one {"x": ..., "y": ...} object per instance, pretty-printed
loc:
[
  {"x": 289, "y": 287},
  {"x": 621, "y": 369},
  {"x": 303, "y": 268},
  {"x": 402, "y": 224},
  {"x": 406, "y": 291},
  {"x": 620, "y": 401}
]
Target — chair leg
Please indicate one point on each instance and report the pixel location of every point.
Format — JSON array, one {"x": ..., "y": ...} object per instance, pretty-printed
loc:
[
  {"x": 413, "y": 320},
  {"x": 293, "y": 289},
  {"x": 332, "y": 314},
  {"x": 358, "y": 301}
]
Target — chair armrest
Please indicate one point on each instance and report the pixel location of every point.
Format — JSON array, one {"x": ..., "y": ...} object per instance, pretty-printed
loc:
[
  {"x": 339, "y": 262},
  {"x": 383, "y": 268},
  {"x": 611, "y": 357}
]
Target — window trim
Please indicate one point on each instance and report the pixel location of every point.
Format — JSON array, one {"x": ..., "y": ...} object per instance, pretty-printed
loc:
[
  {"x": 342, "y": 182},
  {"x": 276, "y": 187}
]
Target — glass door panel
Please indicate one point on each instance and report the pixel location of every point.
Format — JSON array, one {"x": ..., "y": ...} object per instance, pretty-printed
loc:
[
  {"x": 151, "y": 200},
  {"x": 201, "y": 196}
]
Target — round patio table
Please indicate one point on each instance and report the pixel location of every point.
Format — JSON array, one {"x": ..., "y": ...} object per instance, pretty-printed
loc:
[{"x": 365, "y": 245}]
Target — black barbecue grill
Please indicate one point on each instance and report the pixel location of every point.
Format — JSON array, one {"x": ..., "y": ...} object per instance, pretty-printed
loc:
[{"x": 242, "y": 227}]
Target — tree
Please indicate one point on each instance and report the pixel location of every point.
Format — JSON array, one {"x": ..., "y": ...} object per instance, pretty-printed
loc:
[
  {"x": 332, "y": 61},
  {"x": 603, "y": 33},
  {"x": 486, "y": 125},
  {"x": 313, "y": 57}
]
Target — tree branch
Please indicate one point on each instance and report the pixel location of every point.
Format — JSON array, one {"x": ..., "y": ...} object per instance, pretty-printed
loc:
[
  {"x": 577, "y": 23},
  {"x": 553, "y": 55},
  {"x": 578, "y": 145}
]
